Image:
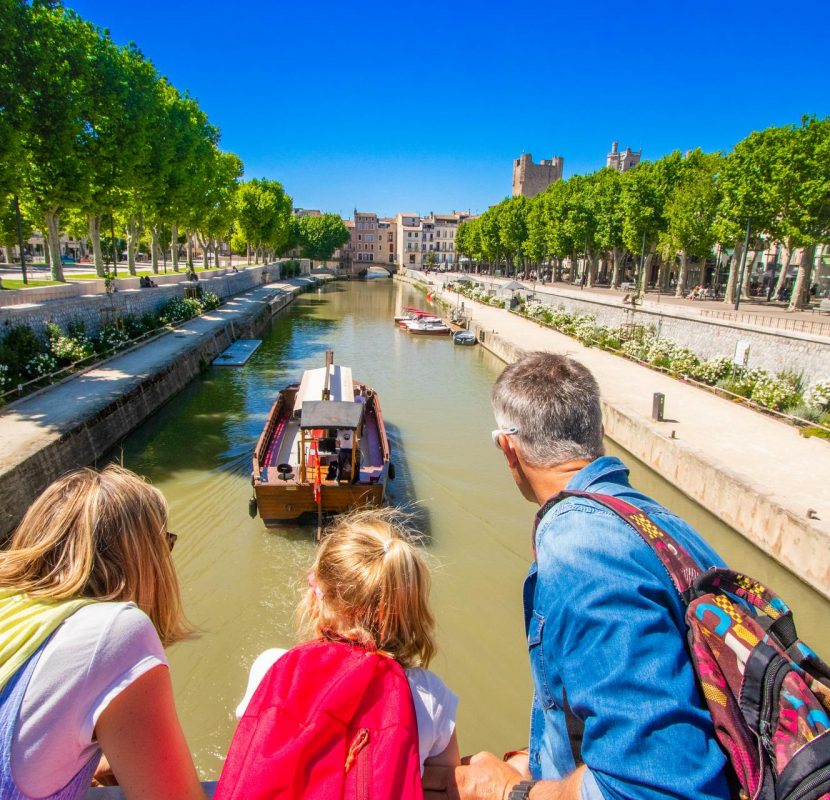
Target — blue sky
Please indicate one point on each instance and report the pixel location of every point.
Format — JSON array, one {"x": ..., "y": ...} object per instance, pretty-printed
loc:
[{"x": 421, "y": 106}]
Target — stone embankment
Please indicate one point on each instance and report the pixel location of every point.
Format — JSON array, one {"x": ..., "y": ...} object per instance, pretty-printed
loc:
[
  {"x": 87, "y": 302},
  {"x": 752, "y": 471},
  {"x": 773, "y": 349},
  {"x": 75, "y": 422}
]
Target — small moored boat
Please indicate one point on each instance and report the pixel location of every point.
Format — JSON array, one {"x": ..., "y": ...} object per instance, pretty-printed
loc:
[
  {"x": 464, "y": 338},
  {"x": 323, "y": 449},
  {"x": 428, "y": 328}
]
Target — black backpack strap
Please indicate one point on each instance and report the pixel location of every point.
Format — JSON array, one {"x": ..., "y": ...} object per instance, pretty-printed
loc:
[{"x": 681, "y": 567}]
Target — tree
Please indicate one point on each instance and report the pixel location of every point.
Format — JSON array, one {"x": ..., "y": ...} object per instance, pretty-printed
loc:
[
  {"x": 690, "y": 213},
  {"x": 59, "y": 127},
  {"x": 512, "y": 226},
  {"x": 607, "y": 189},
  {"x": 320, "y": 236},
  {"x": 263, "y": 216}
]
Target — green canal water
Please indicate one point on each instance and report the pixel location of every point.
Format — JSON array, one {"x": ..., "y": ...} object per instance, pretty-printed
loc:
[{"x": 241, "y": 582}]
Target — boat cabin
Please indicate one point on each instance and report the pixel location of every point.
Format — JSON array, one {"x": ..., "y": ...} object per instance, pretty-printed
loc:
[{"x": 330, "y": 433}]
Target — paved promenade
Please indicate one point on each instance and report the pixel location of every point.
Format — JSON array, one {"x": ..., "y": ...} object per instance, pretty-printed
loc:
[
  {"x": 33, "y": 424},
  {"x": 747, "y": 447}
]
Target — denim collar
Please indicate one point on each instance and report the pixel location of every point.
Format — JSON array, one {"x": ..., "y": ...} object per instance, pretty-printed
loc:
[{"x": 605, "y": 469}]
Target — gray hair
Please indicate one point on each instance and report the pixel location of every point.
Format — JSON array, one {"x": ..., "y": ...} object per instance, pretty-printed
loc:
[{"x": 554, "y": 402}]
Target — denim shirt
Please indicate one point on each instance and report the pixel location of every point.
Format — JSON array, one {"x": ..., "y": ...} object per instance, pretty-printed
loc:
[{"x": 607, "y": 641}]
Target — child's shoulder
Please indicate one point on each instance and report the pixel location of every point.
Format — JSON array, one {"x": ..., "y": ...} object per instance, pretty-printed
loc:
[{"x": 431, "y": 688}]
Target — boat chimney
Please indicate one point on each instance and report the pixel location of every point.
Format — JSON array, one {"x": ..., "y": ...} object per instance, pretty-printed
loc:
[{"x": 329, "y": 362}]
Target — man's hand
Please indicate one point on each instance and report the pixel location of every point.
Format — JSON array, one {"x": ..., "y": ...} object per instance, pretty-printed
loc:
[{"x": 480, "y": 777}]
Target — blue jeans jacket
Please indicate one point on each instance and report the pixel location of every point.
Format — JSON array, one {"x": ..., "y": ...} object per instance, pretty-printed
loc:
[{"x": 607, "y": 641}]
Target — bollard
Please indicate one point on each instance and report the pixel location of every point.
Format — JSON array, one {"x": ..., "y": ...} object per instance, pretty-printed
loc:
[{"x": 657, "y": 404}]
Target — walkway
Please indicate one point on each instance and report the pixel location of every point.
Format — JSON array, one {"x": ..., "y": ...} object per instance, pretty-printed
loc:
[
  {"x": 32, "y": 424},
  {"x": 745, "y": 446}
]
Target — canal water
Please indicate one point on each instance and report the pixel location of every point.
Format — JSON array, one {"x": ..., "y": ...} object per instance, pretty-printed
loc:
[{"x": 241, "y": 582}]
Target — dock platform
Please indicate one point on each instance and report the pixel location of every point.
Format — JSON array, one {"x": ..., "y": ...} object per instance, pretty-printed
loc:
[{"x": 238, "y": 353}]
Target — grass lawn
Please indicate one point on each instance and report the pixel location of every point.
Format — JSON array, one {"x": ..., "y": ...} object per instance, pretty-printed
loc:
[{"x": 10, "y": 284}]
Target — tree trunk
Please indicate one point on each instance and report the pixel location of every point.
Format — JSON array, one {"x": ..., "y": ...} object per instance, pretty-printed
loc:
[
  {"x": 592, "y": 269},
  {"x": 154, "y": 248},
  {"x": 133, "y": 231},
  {"x": 174, "y": 246},
  {"x": 734, "y": 268},
  {"x": 684, "y": 271},
  {"x": 189, "y": 248},
  {"x": 54, "y": 244},
  {"x": 616, "y": 254},
  {"x": 649, "y": 259},
  {"x": 786, "y": 254},
  {"x": 94, "y": 226},
  {"x": 7, "y": 254},
  {"x": 750, "y": 260},
  {"x": 800, "y": 296},
  {"x": 249, "y": 253}
]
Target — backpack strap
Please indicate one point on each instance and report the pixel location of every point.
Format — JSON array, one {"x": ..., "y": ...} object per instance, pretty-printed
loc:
[{"x": 681, "y": 567}]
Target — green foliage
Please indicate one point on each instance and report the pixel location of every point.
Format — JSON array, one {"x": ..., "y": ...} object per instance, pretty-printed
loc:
[
  {"x": 263, "y": 215},
  {"x": 818, "y": 395},
  {"x": 179, "y": 309},
  {"x": 319, "y": 237},
  {"x": 68, "y": 347},
  {"x": 18, "y": 346}
]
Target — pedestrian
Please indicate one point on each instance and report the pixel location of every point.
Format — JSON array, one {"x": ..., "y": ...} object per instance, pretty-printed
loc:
[{"x": 617, "y": 711}]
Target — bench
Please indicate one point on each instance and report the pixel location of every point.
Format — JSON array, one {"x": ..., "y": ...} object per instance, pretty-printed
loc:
[{"x": 824, "y": 306}]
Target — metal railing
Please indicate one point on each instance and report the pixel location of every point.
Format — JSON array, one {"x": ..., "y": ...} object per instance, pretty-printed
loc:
[{"x": 815, "y": 328}]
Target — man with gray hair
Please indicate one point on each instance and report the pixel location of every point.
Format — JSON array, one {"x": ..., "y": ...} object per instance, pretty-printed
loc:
[{"x": 617, "y": 712}]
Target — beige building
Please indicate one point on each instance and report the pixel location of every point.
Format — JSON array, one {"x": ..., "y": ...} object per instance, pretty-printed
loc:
[
  {"x": 409, "y": 240},
  {"x": 529, "y": 179},
  {"x": 622, "y": 162},
  {"x": 388, "y": 239},
  {"x": 438, "y": 235}
]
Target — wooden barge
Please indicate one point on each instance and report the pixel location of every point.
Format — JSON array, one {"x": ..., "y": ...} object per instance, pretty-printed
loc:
[{"x": 323, "y": 449}]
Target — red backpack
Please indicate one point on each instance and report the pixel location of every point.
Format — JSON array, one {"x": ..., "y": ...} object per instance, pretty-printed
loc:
[
  {"x": 329, "y": 720},
  {"x": 768, "y": 693}
]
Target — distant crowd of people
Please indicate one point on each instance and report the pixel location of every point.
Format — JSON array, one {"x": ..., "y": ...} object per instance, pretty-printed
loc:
[{"x": 89, "y": 600}]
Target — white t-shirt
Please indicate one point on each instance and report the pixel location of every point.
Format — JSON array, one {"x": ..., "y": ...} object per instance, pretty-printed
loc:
[
  {"x": 90, "y": 659},
  {"x": 435, "y": 704}
]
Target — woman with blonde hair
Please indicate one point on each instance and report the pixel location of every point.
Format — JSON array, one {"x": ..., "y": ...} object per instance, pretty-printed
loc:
[
  {"x": 369, "y": 587},
  {"x": 88, "y": 600}
]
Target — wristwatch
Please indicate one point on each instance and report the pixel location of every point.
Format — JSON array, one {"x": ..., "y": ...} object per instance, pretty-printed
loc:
[{"x": 521, "y": 791}]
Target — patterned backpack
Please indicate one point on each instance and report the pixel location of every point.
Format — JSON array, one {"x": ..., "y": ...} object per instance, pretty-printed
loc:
[{"x": 768, "y": 693}]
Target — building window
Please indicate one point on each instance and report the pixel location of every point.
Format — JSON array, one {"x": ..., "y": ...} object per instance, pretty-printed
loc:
[{"x": 412, "y": 259}]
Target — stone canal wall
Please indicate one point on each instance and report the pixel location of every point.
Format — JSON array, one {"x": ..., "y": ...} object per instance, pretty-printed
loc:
[
  {"x": 97, "y": 309},
  {"x": 74, "y": 423},
  {"x": 769, "y": 349},
  {"x": 742, "y": 481},
  {"x": 774, "y": 350}
]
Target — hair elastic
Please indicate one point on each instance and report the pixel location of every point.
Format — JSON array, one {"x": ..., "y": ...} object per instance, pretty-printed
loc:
[
  {"x": 313, "y": 584},
  {"x": 386, "y": 545}
]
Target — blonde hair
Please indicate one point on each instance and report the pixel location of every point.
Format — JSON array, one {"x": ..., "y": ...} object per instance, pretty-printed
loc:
[
  {"x": 101, "y": 535},
  {"x": 370, "y": 585}
]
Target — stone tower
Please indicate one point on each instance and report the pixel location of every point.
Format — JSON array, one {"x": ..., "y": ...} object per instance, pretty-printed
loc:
[
  {"x": 622, "y": 162},
  {"x": 529, "y": 179}
]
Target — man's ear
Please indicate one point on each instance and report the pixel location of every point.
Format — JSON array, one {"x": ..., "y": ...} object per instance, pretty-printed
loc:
[{"x": 510, "y": 452}]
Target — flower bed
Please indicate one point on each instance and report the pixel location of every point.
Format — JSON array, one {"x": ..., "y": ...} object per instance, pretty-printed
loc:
[
  {"x": 30, "y": 362},
  {"x": 783, "y": 392}
]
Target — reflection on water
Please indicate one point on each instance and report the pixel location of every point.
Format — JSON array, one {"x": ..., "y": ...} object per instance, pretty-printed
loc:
[{"x": 241, "y": 582}]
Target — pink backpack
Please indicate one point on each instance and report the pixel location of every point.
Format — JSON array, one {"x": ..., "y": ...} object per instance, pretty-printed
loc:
[
  {"x": 329, "y": 720},
  {"x": 768, "y": 693}
]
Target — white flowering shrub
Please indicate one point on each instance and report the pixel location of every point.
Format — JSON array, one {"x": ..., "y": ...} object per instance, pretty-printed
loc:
[
  {"x": 818, "y": 395},
  {"x": 41, "y": 364},
  {"x": 713, "y": 370},
  {"x": 68, "y": 349},
  {"x": 5, "y": 377},
  {"x": 112, "y": 338},
  {"x": 774, "y": 393}
]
